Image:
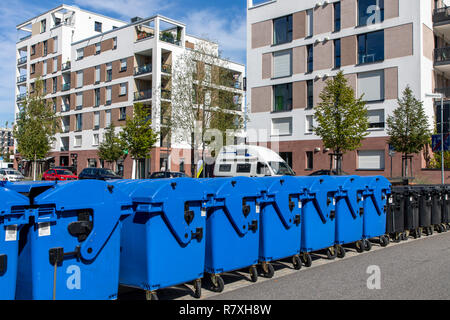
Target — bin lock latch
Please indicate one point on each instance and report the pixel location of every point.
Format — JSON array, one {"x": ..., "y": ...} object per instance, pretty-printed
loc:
[
  {"x": 253, "y": 226},
  {"x": 198, "y": 234},
  {"x": 188, "y": 214},
  {"x": 80, "y": 229},
  {"x": 297, "y": 220},
  {"x": 3, "y": 263},
  {"x": 56, "y": 255},
  {"x": 245, "y": 209}
]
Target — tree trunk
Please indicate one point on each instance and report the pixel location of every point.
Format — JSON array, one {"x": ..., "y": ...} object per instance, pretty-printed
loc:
[
  {"x": 34, "y": 168},
  {"x": 192, "y": 156},
  {"x": 133, "y": 171}
]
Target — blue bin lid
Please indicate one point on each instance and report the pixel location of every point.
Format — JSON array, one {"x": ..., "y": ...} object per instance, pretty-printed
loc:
[
  {"x": 168, "y": 197},
  {"x": 352, "y": 188},
  {"x": 12, "y": 207},
  {"x": 27, "y": 186}
]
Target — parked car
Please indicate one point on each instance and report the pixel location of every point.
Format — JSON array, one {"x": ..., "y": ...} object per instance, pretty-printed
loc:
[
  {"x": 167, "y": 174},
  {"x": 71, "y": 169},
  {"x": 98, "y": 174},
  {"x": 327, "y": 173},
  {"x": 11, "y": 175},
  {"x": 58, "y": 175}
]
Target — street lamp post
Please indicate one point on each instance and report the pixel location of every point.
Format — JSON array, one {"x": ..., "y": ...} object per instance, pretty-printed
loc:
[{"x": 440, "y": 96}]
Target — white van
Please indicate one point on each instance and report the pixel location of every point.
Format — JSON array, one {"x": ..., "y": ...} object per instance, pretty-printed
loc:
[{"x": 250, "y": 161}]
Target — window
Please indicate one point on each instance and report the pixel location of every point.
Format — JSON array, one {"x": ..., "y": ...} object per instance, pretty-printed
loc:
[
  {"x": 123, "y": 65},
  {"x": 79, "y": 122},
  {"x": 123, "y": 113},
  {"x": 108, "y": 118},
  {"x": 79, "y": 101},
  {"x": 55, "y": 64},
  {"x": 370, "y": 12},
  {"x": 97, "y": 74},
  {"x": 33, "y": 68},
  {"x": 108, "y": 72},
  {"x": 114, "y": 43},
  {"x": 310, "y": 22},
  {"x": 309, "y": 160},
  {"x": 371, "y": 160},
  {"x": 33, "y": 49},
  {"x": 96, "y": 120},
  {"x": 80, "y": 53},
  {"x": 55, "y": 84},
  {"x": 283, "y": 97},
  {"x": 78, "y": 141},
  {"x": 262, "y": 168},
  {"x": 95, "y": 141},
  {"x": 98, "y": 26},
  {"x": 225, "y": 167},
  {"x": 287, "y": 157},
  {"x": 123, "y": 89},
  {"x": 337, "y": 16},
  {"x": 92, "y": 163},
  {"x": 371, "y": 84},
  {"x": 282, "y": 30},
  {"x": 282, "y": 64},
  {"x": 97, "y": 97},
  {"x": 309, "y": 124},
  {"x": 182, "y": 165},
  {"x": 54, "y": 104},
  {"x": 44, "y": 86},
  {"x": 108, "y": 95},
  {"x": 79, "y": 79},
  {"x": 43, "y": 25},
  {"x": 243, "y": 167},
  {"x": 337, "y": 53},
  {"x": 310, "y": 58},
  {"x": 55, "y": 44},
  {"x": 45, "y": 48},
  {"x": 371, "y": 47},
  {"x": 98, "y": 48},
  {"x": 282, "y": 126},
  {"x": 310, "y": 94},
  {"x": 44, "y": 68},
  {"x": 376, "y": 119}
]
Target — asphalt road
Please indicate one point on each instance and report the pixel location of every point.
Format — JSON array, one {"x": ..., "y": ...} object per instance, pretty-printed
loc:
[{"x": 413, "y": 269}]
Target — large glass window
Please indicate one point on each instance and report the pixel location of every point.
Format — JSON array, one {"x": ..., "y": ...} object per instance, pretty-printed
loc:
[
  {"x": 371, "y": 47},
  {"x": 282, "y": 30},
  {"x": 370, "y": 12},
  {"x": 79, "y": 122},
  {"x": 337, "y": 53},
  {"x": 337, "y": 16},
  {"x": 309, "y": 23},
  {"x": 310, "y": 58},
  {"x": 310, "y": 94},
  {"x": 283, "y": 97}
]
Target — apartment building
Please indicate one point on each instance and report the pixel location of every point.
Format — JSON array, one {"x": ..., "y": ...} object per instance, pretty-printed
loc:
[
  {"x": 95, "y": 69},
  {"x": 380, "y": 45},
  {"x": 6, "y": 141}
]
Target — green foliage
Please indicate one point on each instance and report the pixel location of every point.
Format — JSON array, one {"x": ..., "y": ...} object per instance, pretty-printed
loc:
[
  {"x": 110, "y": 149},
  {"x": 408, "y": 127},
  {"x": 435, "y": 163},
  {"x": 137, "y": 135},
  {"x": 342, "y": 118},
  {"x": 36, "y": 125}
]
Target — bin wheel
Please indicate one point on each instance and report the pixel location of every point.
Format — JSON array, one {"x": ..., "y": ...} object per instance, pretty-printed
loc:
[
  {"x": 340, "y": 251},
  {"x": 331, "y": 253},
  {"x": 217, "y": 284},
  {"x": 367, "y": 245},
  {"x": 198, "y": 288},
  {"x": 444, "y": 227},
  {"x": 151, "y": 295},
  {"x": 296, "y": 262},
  {"x": 306, "y": 259},
  {"x": 269, "y": 273},
  {"x": 253, "y": 274},
  {"x": 405, "y": 235},
  {"x": 384, "y": 241},
  {"x": 359, "y": 246},
  {"x": 419, "y": 232}
]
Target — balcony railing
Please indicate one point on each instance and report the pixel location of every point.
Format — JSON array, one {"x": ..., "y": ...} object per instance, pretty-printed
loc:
[
  {"x": 141, "y": 35},
  {"x": 66, "y": 66},
  {"x": 65, "y": 107},
  {"x": 66, "y": 87},
  {"x": 21, "y": 96},
  {"x": 65, "y": 129},
  {"x": 142, "y": 95},
  {"x": 25, "y": 38},
  {"x": 21, "y": 79},
  {"x": 441, "y": 15},
  {"x": 166, "y": 68},
  {"x": 22, "y": 60},
  {"x": 442, "y": 55},
  {"x": 444, "y": 91},
  {"x": 65, "y": 148},
  {"x": 143, "y": 69},
  {"x": 170, "y": 39}
]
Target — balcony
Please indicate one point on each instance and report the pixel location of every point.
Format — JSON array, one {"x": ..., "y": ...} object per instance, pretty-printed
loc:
[
  {"x": 66, "y": 66},
  {"x": 143, "y": 70},
  {"x": 444, "y": 91},
  {"x": 442, "y": 59},
  {"x": 143, "y": 95},
  {"x": 441, "y": 19},
  {"x": 21, "y": 79},
  {"x": 21, "y": 96},
  {"x": 22, "y": 60},
  {"x": 166, "y": 94},
  {"x": 169, "y": 38},
  {"x": 65, "y": 129},
  {"x": 166, "y": 68},
  {"x": 66, "y": 87}
]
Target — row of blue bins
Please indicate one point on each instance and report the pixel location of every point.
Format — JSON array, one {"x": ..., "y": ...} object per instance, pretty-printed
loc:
[{"x": 81, "y": 239}]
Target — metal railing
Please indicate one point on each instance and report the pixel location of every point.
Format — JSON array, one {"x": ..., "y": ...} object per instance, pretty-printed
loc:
[
  {"x": 166, "y": 68},
  {"x": 21, "y": 79},
  {"x": 441, "y": 15},
  {"x": 445, "y": 91},
  {"x": 143, "y": 69},
  {"x": 442, "y": 55},
  {"x": 66, "y": 87},
  {"x": 21, "y": 96},
  {"x": 142, "y": 95},
  {"x": 66, "y": 66},
  {"x": 22, "y": 60}
]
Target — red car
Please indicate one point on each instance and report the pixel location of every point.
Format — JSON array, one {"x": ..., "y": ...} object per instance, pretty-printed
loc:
[{"x": 58, "y": 174}]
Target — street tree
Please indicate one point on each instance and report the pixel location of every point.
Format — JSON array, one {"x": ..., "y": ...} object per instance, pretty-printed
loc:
[
  {"x": 35, "y": 127},
  {"x": 138, "y": 136},
  {"x": 110, "y": 149},
  {"x": 203, "y": 97},
  {"x": 408, "y": 127},
  {"x": 341, "y": 117}
]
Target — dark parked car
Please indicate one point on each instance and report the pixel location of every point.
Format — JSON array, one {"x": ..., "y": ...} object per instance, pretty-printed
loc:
[
  {"x": 167, "y": 174},
  {"x": 327, "y": 173},
  {"x": 98, "y": 174}
]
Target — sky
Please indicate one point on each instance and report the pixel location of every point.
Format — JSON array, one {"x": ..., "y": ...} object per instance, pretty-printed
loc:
[{"x": 223, "y": 21}]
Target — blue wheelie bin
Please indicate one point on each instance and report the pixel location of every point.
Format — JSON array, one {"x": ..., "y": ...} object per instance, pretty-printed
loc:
[
  {"x": 163, "y": 242},
  {"x": 12, "y": 217},
  {"x": 318, "y": 216},
  {"x": 232, "y": 227},
  {"x": 71, "y": 251},
  {"x": 280, "y": 222},
  {"x": 375, "y": 208},
  {"x": 349, "y": 213}
]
